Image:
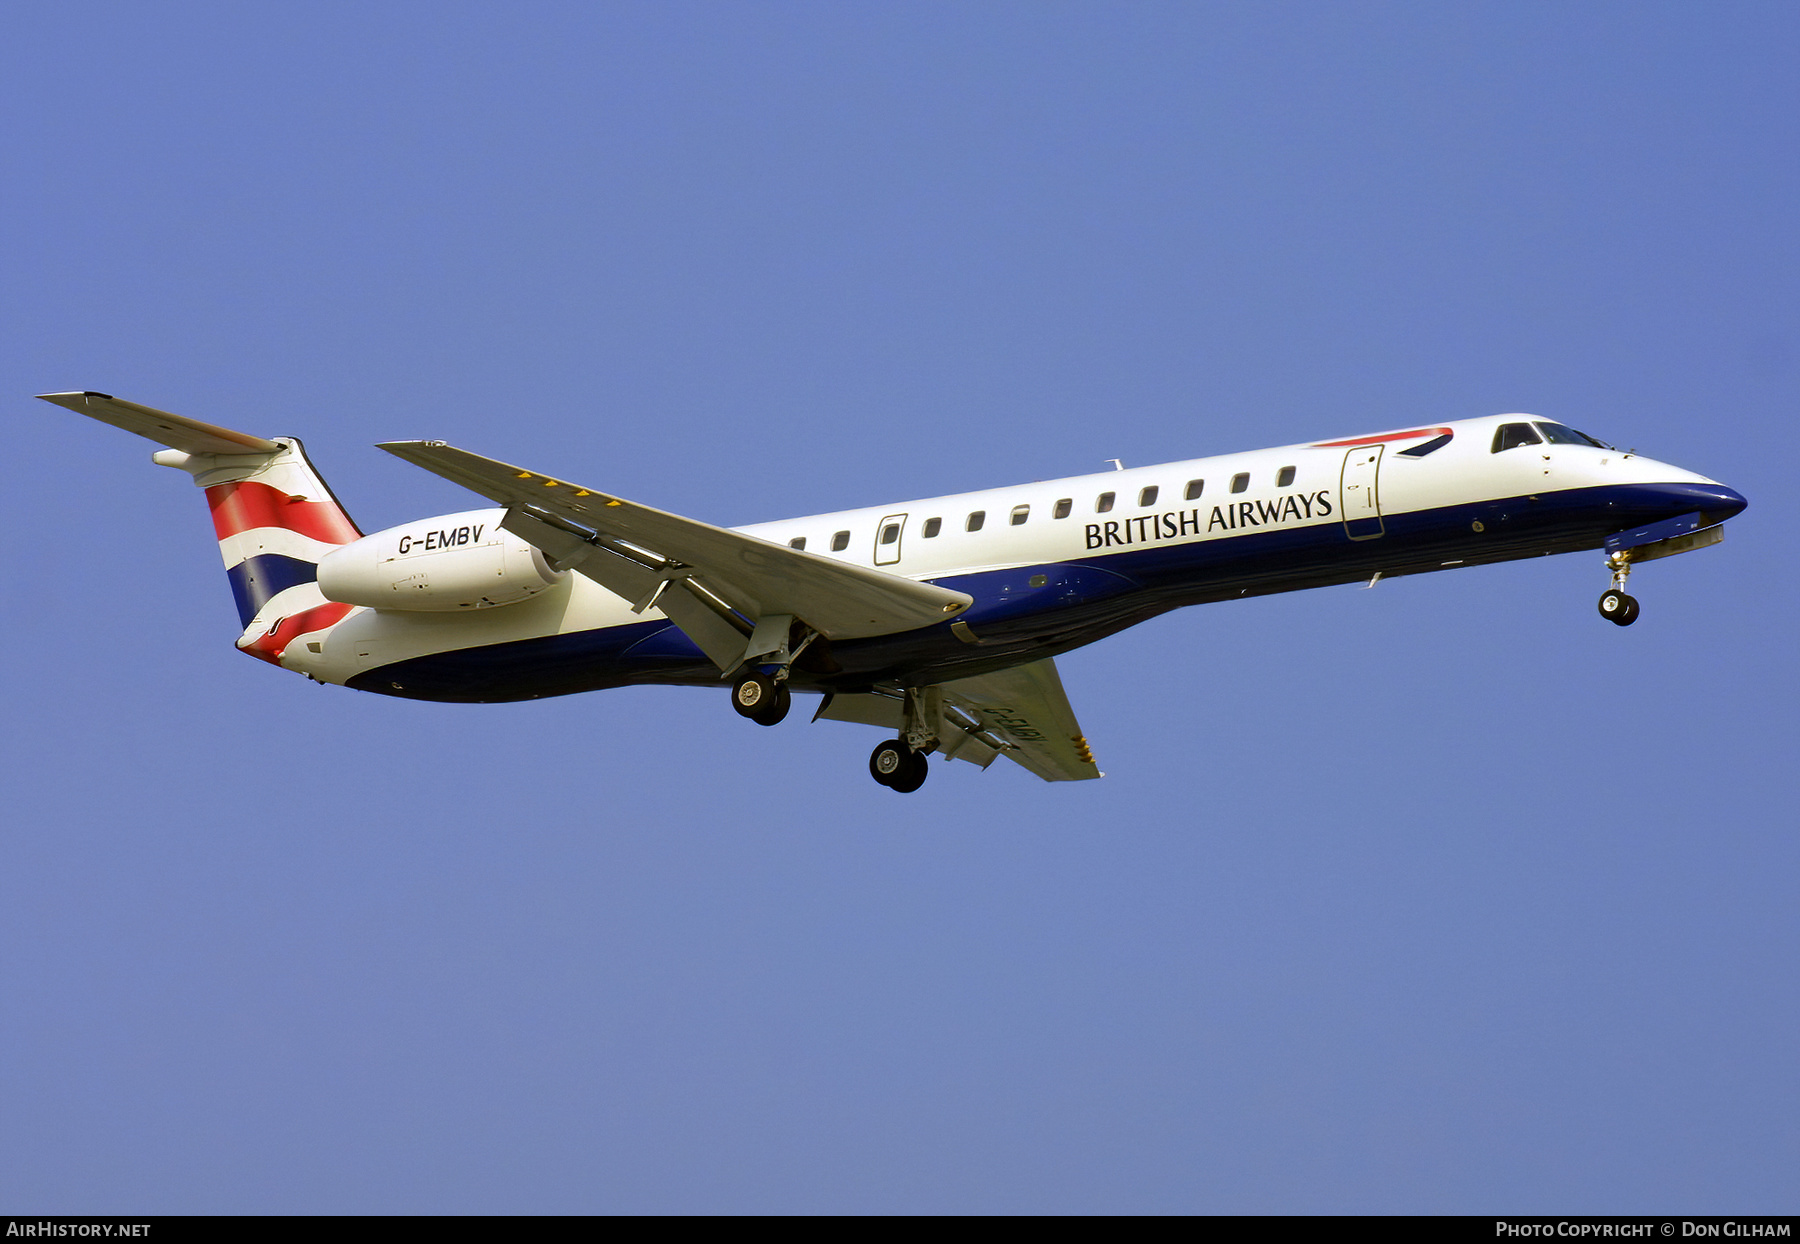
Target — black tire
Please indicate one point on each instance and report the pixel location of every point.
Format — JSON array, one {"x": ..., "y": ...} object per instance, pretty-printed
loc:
[
  {"x": 1630, "y": 613},
  {"x": 753, "y": 694},
  {"x": 916, "y": 770},
  {"x": 888, "y": 761},
  {"x": 1615, "y": 607},
  {"x": 775, "y": 707}
]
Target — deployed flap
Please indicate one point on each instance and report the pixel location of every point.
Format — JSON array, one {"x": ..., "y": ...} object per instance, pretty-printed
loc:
[
  {"x": 1027, "y": 707},
  {"x": 711, "y": 629},
  {"x": 1022, "y": 713},
  {"x": 886, "y": 711},
  {"x": 755, "y": 577},
  {"x": 175, "y": 431}
]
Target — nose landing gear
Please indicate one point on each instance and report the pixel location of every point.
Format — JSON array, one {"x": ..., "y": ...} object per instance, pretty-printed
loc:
[{"x": 1616, "y": 606}]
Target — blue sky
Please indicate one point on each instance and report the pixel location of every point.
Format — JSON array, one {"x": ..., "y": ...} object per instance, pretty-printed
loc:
[{"x": 1441, "y": 897}]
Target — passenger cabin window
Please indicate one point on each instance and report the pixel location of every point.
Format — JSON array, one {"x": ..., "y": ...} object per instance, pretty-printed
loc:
[
  {"x": 1104, "y": 504},
  {"x": 1513, "y": 435},
  {"x": 1284, "y": 477},
  {"x": 975, "y": 520},
  {"x": 890, "y": 533},
  {"x": 1558, "y": 434},
  {"x": 1240, "y": 481},
  {"x": 1020, "y": 514},
  {"x": 1194, "y": 489},
  {"x": 1148, "y": 496},
  {"x": 840, "y": 542},
  {"x": 798, "y": 542},
  {"x": 933, "y": 526},
  {"x": 1063, "y": 507}
]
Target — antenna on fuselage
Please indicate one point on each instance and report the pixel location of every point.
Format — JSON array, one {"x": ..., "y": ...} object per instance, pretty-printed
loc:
[{"x": 1117, "y": 465}]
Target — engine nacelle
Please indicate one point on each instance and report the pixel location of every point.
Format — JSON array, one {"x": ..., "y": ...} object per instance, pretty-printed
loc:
[{"x": 455, "y": 561}]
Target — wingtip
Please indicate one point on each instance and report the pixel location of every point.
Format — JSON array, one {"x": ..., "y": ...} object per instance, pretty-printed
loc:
[{"x": 65, "y": 399}]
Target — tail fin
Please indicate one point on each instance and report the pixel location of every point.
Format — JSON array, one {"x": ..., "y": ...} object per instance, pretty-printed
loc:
[{"x": 275, "y": 517}]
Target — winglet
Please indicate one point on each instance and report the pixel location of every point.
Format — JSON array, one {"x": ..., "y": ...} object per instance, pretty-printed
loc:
[{"x": 175, "y": 431}]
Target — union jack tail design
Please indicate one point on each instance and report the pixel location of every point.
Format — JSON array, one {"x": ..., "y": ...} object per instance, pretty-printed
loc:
[
  {"x": 274, "y": 516},
  {"x": 274, "y": 523}
]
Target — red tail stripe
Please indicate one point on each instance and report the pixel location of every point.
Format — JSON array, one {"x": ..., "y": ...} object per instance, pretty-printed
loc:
[
  {"x": 271, "y": 645},
  {"x": 1376, "y": 440},
  {"x": 237, "y": 508}
]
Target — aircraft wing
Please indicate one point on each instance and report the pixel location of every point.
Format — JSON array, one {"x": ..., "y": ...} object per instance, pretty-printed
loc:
[
  {"x": 697, "y": 574},
  {"x": 1027, "y": 707},
  {"x": 1022, "y": 713}
]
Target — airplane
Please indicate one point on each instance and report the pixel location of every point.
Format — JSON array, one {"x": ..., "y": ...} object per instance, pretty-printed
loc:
[{"x": 937, "y": 620}]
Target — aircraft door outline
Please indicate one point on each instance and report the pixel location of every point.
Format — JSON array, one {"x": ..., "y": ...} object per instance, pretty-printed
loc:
[
  {"x": 1359, "y": 492},
  {"x": 887, "y": 552}
]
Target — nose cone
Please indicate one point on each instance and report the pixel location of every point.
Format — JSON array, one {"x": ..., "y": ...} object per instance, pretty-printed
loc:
[
  {"x": 1718, "y": 502},
  {"x": 1715, "y": 501}
]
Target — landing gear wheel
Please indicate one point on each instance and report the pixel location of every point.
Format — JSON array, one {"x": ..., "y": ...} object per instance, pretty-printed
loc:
[
  {"x": 914, "y": 777},
  {"x": 760, "y": 698},
  {"x": 1618, "y": 608},
  {"x": 898, "y": 767},
  {"x": 889, "y": 761},
  {"x": 776, "y": 708}
]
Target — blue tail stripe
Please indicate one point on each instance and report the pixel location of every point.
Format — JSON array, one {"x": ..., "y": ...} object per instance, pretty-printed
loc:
[{"x": 256, "y": 579}]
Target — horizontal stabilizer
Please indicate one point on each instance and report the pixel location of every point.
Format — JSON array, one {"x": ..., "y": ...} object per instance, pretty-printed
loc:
[{"x": 175, "y": 431}]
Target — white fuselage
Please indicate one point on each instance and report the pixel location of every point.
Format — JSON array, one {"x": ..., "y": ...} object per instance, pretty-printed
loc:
[{"x": 1087, "y": 518}]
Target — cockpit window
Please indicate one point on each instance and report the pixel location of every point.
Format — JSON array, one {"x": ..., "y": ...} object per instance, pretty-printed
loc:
[
  {"x": 1558, "y": 434},
  {"x": 1513, "y": 435}
]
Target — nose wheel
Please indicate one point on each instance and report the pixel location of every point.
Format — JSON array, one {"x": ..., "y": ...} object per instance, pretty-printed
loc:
[
  {"x": 1616, "y": 605},
  {"x": 1618, "y": 608}
]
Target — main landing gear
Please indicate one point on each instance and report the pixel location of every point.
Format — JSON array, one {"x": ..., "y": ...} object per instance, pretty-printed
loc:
[
  {"x": 1616, "y": 606},
  {"x": 775, "y": 645},
  {"x": 900, "y": 764},
  {"x": 897, "y": 766},
  {"x": 761, "y": 697}
]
